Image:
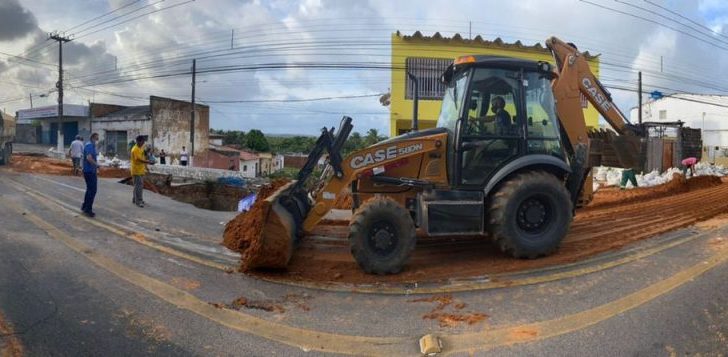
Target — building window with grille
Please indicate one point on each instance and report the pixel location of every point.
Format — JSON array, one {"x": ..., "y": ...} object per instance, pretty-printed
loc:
[{"x": 428, "y": 72}]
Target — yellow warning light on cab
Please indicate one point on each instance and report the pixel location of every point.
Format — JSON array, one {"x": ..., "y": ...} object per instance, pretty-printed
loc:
[{"x": 464, "y": 60}]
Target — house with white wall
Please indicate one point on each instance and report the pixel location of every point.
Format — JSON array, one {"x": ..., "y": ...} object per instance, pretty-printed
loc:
[
  {"x": 706, "y": 112},
  {"x": 249, "y": 163}
]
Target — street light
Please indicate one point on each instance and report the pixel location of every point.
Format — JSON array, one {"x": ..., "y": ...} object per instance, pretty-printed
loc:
[{"x": 31, "y": 98}]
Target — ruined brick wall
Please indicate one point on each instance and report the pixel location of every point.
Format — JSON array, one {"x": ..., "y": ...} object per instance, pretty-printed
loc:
[
  {"x": 171, "y": 126},
  {"x": 99, "y": 109}
]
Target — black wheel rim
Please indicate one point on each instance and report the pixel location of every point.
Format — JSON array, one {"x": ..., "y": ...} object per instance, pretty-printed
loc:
[
  {"x": 534, "y": 214},
  {"x": 383, "y": 238}
]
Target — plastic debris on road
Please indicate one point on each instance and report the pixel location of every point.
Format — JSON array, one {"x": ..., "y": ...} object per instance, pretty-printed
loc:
[{"x": 246, "y": 203}]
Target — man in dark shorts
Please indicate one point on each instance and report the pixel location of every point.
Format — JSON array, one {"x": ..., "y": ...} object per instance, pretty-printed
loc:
[{"x": 76, "y": 153}]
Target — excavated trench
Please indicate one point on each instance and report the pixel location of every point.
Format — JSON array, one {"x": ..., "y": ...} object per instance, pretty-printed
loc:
[
  {"x": 205, "y": 195},
  {"x": 614, "y": 220}
]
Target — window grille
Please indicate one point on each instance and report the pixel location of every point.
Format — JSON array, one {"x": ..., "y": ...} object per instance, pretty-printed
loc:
[{"x": 428, "y": 72}]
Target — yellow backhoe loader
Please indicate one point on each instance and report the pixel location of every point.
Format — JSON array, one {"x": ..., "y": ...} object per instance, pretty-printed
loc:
[{"x": 510, "y": 158}]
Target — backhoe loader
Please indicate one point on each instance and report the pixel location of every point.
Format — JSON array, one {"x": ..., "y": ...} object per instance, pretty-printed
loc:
[{"x": 510, "y": 158}]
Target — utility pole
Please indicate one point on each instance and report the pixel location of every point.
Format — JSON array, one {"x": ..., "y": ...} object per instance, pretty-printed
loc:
[
  {"x": 31, "y": 100},
  {"x": 232, "y": 37},
  {"x": 192, "y": 113},
  {"x": 639, "y": 96},
  {"x": 61, "y": 39},
  {"x": 470, "y": 30}
]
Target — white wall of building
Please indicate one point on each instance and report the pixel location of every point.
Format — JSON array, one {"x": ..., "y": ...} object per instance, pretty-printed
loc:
[
  {"x": 695, "y": 110},
  {"x": 248, "y": 168}
]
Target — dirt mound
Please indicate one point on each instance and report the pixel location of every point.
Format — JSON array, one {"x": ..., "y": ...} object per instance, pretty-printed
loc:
[
  {"x": 48, "y": 166},
  {"x": 608, "y": 197},
  {"x": 243, "y": 233}
]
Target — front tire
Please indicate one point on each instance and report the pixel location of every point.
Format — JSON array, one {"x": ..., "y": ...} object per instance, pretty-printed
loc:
[
  {"x": 382, "y": 236},
  {"x": 530, "y": 215}
]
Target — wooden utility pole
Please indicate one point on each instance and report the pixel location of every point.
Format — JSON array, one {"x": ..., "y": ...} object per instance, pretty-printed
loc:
[
  {"x": 639, "y": 97},
  {"x": 61, "y": 39},
  {"x": 192, "y": 113}
]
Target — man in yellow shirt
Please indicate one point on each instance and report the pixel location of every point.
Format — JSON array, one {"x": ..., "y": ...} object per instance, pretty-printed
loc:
[{"x": 138, "y": 169}]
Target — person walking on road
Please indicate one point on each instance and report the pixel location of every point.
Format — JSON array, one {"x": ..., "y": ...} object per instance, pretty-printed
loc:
[
  {"x": 76, "y": 153},
  {"x": 138, "y": 169},
  {"x": 184, "y": 157},
  {"x": 90, "y": 170}
]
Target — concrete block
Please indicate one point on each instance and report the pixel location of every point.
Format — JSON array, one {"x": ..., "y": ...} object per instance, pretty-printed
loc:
[{"x": 430, "y": 345}]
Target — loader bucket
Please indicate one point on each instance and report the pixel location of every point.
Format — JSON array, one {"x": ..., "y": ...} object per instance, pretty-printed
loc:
[
  {"x": 276, "y": 240},
  {"x": 273, "y": 227}
]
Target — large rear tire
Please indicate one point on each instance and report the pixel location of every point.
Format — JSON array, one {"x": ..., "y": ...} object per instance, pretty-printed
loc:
[
  {"x": 530, "y": 215},
  {"x": 382, "y": 236}
]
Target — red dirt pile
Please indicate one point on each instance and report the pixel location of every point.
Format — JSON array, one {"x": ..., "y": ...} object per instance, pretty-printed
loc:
[
  {"x": 609, "y": 197},
  {"x": 243, "y": 233},
  {"x": 48, "y": 166}
]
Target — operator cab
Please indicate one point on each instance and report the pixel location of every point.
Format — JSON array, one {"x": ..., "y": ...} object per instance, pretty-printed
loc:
[{"x": 496, "y": 110}]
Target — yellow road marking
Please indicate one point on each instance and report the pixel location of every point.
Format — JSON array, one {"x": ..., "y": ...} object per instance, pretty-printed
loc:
[
  {"x": 580, "y": 320},
  {"x": 503, "y": 280},
  {"x": 137, "y": 237},
  {"x": 361, "y": 345}
]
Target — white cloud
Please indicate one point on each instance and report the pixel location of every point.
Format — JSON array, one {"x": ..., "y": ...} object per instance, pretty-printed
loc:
[{"x": 343, "y": 31}]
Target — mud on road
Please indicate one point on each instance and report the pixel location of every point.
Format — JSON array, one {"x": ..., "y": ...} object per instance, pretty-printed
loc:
[
  {"x": 48, "y": 166},
  {"x": 616, "y": 219}
]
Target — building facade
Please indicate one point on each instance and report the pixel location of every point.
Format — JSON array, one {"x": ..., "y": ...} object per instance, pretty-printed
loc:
[
  {"x": 75, "y": 121},
  {"x": 427, "y": 57},
  {"x": 709, "y": 113}
]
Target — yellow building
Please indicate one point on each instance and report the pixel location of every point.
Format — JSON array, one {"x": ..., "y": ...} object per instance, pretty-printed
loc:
[{"x": 428, "y": 56}]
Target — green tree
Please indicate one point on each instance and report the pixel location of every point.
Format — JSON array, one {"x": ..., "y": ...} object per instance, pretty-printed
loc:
[
  {"x": 256, "y": 140},
  {"x": 233, "y": 137},
  {"x": 353, "y": 143},
  {"x": 373, "y": 137}
]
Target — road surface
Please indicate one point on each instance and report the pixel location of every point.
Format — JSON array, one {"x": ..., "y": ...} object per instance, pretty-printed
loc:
[{"x": 155, "y": 281}]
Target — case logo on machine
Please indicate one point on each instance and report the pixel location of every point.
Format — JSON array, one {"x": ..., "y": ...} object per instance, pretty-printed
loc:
[
  {"x": 382, "y": 154},
  {"x": 598, "y": 97}
]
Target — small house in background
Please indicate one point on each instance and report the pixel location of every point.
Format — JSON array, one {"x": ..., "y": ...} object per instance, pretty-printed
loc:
[
  {"x": 248, "y": 163},
  {"x": 266, "y": 163},
  {"x": 216, "y": 139},
  {"x": 278, "y": 162}
]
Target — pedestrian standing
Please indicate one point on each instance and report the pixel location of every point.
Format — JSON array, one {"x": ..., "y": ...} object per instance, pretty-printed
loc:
[
  {"x": 90, "y": 170},
  {"x": 184, "y": 157},
  {"x": 162, "y": 157},
  {"x": 76, "y": 153},
  {"x": 138, "y": 169}
]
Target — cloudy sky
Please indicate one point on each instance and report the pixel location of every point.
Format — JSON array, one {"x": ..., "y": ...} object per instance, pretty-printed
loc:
[{"x": 259, "y": 62}]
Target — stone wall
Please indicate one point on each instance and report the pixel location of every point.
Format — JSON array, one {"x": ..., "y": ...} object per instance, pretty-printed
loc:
[{"x": 201, "y": 173}]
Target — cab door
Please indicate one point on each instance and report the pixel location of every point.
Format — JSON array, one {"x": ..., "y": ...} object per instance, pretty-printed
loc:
[{"x": 492, "y": 131}]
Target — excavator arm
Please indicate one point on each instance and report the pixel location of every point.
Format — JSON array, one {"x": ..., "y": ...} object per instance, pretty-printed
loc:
[{"x": 575, "y": 78}]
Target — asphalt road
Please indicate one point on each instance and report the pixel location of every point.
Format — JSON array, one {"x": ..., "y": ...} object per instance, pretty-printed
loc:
[{"x": 154, "y": 281}]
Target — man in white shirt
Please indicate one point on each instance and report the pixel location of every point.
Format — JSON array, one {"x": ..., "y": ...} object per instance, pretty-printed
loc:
[
  {"x": 184, "y": 157},
  {"x": 76, "y": 152}
]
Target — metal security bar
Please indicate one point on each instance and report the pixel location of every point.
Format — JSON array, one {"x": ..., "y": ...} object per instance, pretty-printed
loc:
[{"x": 428, "y": 72}]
